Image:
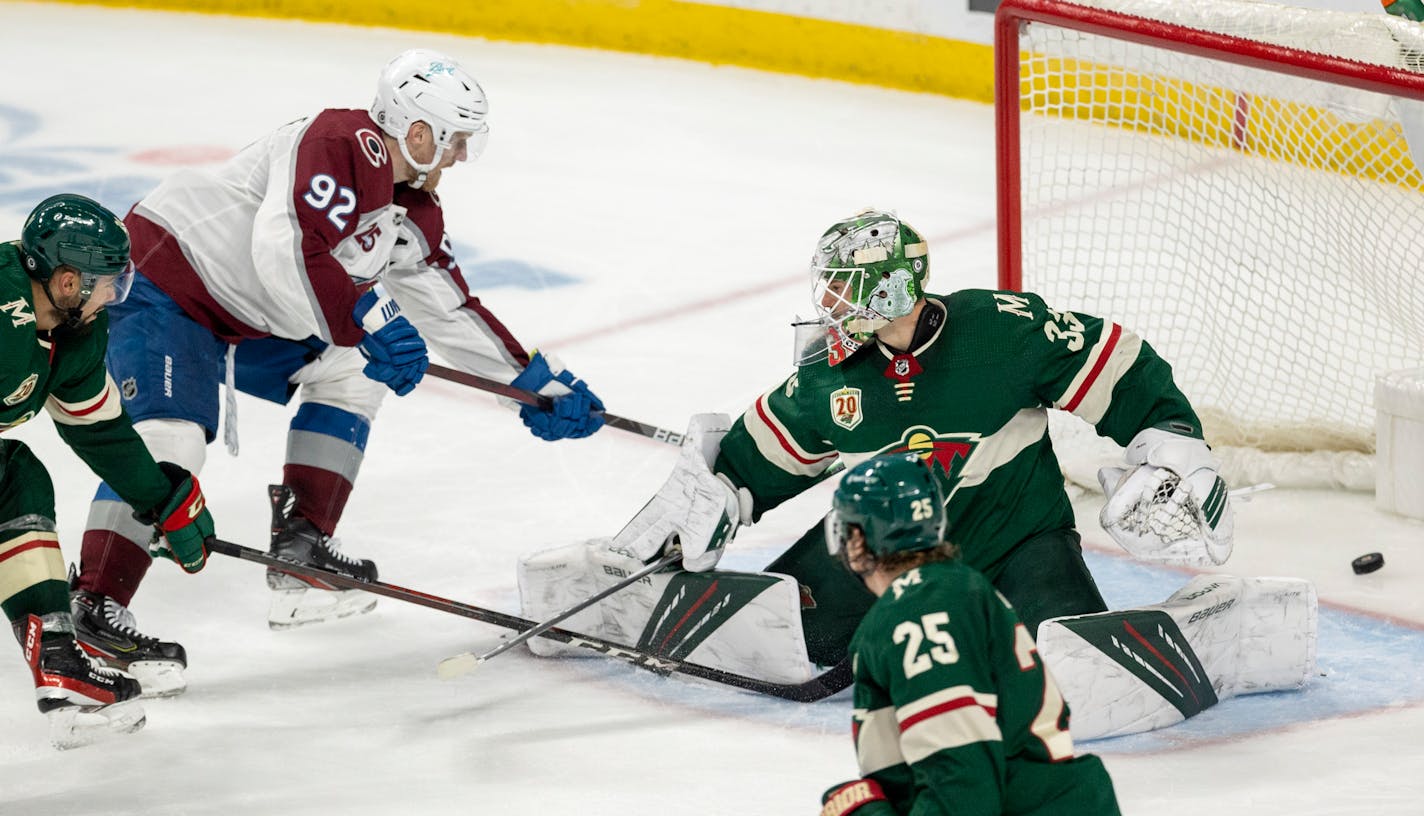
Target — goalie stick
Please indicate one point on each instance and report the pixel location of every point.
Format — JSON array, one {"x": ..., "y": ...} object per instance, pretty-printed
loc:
[
  {"x": 466, "y": 662},
  {"x": 543, "y": 403},
  {"x": 820, "y": 687}
]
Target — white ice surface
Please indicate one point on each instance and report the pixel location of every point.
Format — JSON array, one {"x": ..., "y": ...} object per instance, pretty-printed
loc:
[{"x": 659, "y": 214}]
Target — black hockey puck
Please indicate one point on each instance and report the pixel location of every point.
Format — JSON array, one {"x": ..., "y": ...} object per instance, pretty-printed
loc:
[{"x": 1369, "y": 562}]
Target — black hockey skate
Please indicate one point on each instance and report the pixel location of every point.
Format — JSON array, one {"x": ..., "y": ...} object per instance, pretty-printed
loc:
[
  {"x": 107, "y": 631},
  {"x": 298, "y": 599},
  {"x": 84, "y": 702}
]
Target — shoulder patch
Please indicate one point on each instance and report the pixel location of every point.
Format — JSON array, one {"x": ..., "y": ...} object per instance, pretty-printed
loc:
[
  {"x": 23, "y": 393},
  {"x": 373, "y": 147},
  {"x": 846, "y": 408}
]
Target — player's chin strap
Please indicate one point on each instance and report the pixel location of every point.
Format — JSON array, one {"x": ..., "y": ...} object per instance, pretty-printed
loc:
[
  {"x": 73, "y": 316},
  {"x": 422, "y": 170}
]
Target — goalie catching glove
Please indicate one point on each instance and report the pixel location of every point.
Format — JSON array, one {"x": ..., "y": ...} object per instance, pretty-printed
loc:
[
  {"x": 696, "y": 508},
  {"x": 1170, "y": 505}
]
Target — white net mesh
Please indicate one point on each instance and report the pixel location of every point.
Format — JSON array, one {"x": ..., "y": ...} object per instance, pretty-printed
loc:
[{"x": 1258, "y": 228}]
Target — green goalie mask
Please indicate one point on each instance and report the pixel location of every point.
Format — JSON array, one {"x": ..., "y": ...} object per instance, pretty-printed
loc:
[
  {"x": 81, "y": 234},
  {"x": 894, "y": 500},
  {"x": 868, "y": 270}
]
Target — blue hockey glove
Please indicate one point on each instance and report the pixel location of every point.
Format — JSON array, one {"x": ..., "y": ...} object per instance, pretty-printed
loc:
[
  {"x": 572, "y": 416},
  {"x": 394, "y": 350}
]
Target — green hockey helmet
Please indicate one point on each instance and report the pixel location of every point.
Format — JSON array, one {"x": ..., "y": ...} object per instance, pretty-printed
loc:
[
  {"x": 868, "y": 270},
  {"x": 896, "y": 502},
  {"x": 69, "y": 230}
]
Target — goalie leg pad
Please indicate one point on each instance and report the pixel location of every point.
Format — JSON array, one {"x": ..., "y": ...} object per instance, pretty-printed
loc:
[
  {"x": 551, "y": 581},
  {"x": 1125, "y": 672},
  {"x": 746, "y": 623}
]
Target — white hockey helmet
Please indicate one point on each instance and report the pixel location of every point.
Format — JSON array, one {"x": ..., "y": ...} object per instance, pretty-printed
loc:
[{"x": 427, "y": 86}]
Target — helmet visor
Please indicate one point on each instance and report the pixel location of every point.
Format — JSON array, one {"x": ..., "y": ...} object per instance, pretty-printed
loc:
[
  {"x": 107, "y": 289},
  {"x": 476, "y": 144}
]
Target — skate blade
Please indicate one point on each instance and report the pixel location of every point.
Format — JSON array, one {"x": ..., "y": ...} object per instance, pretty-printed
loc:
[
  {"x": 77, "y": 726},
  {"x": 300, "y": 607},
  {"x": 159, "y": 678}
]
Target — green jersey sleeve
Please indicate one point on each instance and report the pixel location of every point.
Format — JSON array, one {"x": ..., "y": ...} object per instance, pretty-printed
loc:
[
  {"x": 775, "y": 448},
  {"x": 1097, "y": 369},
  {"x": 87, "y": 411}
]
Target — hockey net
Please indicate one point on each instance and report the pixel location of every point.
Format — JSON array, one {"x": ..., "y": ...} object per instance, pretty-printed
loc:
[{"x": 1234, "y": 182}]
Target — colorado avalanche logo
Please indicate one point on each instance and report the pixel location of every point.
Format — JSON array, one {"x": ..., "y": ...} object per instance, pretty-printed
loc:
[
  {"x": 367, "y": 239},
  {"x": 945, "y": 453},
  {"x": 373, "y": 147}
]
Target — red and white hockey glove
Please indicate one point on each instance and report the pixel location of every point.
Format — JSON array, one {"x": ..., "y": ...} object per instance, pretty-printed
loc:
[
  {"x": 183, "y": 520},
  {"x": 862, "y": 797}
]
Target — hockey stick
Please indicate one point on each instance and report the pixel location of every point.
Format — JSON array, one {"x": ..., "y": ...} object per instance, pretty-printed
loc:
[
  {"x": 543, "y": 403},
  {"x": 466, "y": 662},
  {"x": 817, "y": 688}
]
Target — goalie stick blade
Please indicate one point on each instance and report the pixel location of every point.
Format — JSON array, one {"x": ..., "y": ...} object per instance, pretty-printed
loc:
[
  {"x": 817, "y": 688},
  {"x": 457, "y": 666}
]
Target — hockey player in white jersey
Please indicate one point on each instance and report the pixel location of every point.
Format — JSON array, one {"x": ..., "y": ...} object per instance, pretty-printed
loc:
[{"x": 314, "y": 261}]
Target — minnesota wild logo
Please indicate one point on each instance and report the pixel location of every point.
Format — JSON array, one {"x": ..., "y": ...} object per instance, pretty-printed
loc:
[{"x": 945, "y": 453}]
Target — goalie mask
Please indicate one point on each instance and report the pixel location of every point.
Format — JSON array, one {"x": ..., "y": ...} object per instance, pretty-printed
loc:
[
  {"x": 426, "y": 86},
  {"x": 77, "y": 233},
  {"x": 894, "y": 500},
  {"x": 867, "y": 270}
]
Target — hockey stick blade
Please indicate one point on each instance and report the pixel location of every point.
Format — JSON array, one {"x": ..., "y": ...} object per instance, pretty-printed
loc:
[
  {"x": 817, "y": 688},
  {"x": 541, "y": 402},
  {"x": 460, "y": 664}
]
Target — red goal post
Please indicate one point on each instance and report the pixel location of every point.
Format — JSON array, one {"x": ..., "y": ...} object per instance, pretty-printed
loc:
[{"x": 1232, "y": 180}]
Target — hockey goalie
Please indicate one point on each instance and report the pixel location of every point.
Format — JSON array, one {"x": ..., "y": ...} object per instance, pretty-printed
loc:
[{"x": 965, "y": 381}]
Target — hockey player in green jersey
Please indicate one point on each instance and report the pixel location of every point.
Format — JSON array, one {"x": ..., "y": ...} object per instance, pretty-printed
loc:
[
  {"x": 964, "y": 381},
  {"x": 71, "y": 261},
  {"x": 954, "y": 711}
]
